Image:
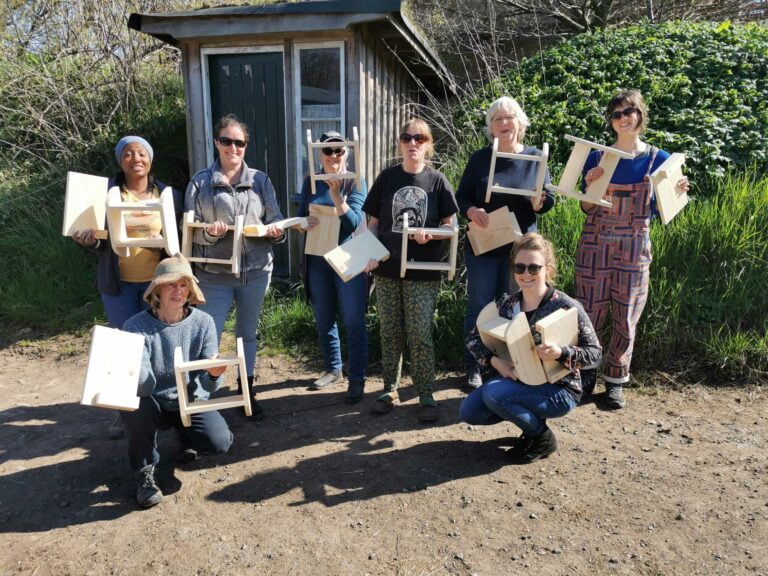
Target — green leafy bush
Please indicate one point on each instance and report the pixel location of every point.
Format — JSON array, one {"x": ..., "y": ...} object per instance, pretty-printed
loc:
[{"x": 706, "y": 86}]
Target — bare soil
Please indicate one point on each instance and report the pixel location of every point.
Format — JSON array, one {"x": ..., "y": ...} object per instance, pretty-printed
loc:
[{"x": 674, "y": 484}]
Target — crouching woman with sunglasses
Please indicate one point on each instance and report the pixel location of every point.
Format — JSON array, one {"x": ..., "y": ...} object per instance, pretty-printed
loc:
[
  {"x": 328, "y": 293},
  {"x": 613, "y": 257},
  {"x": 218, "y": 195},
  {"x": 505, "y": 398}
]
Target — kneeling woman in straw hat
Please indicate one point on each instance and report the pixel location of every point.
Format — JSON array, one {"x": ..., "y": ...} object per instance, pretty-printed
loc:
[{"x": 170, "y": 322}]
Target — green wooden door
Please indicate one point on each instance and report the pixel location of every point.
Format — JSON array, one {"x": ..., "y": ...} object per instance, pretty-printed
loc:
[{"x": 251, "y": 86}]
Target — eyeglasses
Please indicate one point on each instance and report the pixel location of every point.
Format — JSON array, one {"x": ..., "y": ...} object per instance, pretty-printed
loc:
[
  {"x": 418, "y": 138},
  {"x": 628, "y": 111},
  {"x": 533, "y": 269},
  {"x": 334, "y": 151},
  {"x": 224, "y": 141},
  {"x": 500, "y": 119}
]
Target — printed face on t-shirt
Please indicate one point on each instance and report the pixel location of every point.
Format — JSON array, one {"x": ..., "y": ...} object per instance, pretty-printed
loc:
[{"x": 409, "y": 202}]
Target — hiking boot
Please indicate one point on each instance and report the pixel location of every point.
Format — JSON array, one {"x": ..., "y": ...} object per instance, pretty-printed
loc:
[
  {"x": 532, "y": 448},
  {"x": 116, "y": 430},
  {"x": 325, "y": 380},
  {"x": 186, "y": 455},
  {"x": 474, "y": 380},
  {"x": 148, "y": 494},
  {"x": 588, "y": 381},
  {"x": 614, "y": 396},
  {"x": 355, "y": 392}
]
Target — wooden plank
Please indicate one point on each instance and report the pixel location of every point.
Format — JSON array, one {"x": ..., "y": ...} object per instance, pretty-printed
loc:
[
  {"x": 350, "y": 258},
  {"x": 260, "y": 230},
  {"x": 670, "y": 200},
  {"x": 561, "y": 328},
  {"x": 325, "y": 236},
  {"x": 84, "y": 203},
  {"x": 522, "y": 349},
  {"x": 502, "y": 229},
  {"x": 114, "y": 366}
]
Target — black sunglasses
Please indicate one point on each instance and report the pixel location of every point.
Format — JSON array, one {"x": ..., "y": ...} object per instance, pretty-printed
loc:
[
  {"x": 333, "y": 151},
  {"x": 224, "y": 141},
  {"x": 418, "y": 138},
  {"x": 533, "y": 269},
  {"x": 628, "y": 111}
]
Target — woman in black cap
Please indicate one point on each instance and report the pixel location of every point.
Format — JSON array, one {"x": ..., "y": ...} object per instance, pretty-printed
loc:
[{"x": 329, "y": 294}]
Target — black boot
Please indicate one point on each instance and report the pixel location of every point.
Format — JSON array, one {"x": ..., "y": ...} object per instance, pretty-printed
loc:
[
  {"x": 532, "y": 448},
  {"x": 257, "y": 412},
  {"x": 588, "y": 381}
]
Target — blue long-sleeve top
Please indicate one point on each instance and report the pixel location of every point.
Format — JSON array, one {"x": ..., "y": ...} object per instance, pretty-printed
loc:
[{"x": 355, "y": 199}]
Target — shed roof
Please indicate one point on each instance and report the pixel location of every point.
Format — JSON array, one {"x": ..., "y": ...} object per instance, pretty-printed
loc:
[{"x": 385, "y": 17}]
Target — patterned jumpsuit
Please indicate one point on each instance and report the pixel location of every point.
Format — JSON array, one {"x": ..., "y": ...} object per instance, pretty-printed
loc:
[{"x": 613, "y": 262}]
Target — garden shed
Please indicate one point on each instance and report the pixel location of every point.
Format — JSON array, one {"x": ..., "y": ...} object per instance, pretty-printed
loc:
[{"x": 286, "y": 68}]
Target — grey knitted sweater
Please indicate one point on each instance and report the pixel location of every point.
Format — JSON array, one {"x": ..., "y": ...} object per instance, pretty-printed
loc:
[{"x": 196, "y": 334}]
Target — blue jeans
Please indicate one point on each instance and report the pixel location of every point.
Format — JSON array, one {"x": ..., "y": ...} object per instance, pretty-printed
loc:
[
  {"x": 528, "y": 407},
  {"x": 209, "y": 432},
  {"x": 330, "y": 296},
  {"x": 487, "y": 280},
  {"x": 248, "y": 299},
  {"x": 128, "y": 302}
]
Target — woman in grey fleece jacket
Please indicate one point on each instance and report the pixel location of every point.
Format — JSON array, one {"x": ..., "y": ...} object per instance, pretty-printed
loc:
[{"x": 218, "y": 195}]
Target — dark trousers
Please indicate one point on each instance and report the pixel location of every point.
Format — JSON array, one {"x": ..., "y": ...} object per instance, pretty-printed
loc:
[{"x": 209, "y": 432}]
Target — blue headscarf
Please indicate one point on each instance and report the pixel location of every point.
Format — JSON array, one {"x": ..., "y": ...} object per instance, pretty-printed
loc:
[{"x": 125, "y": 140}]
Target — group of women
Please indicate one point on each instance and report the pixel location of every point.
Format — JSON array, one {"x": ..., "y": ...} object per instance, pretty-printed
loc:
[{"x": 611, "y": 277}]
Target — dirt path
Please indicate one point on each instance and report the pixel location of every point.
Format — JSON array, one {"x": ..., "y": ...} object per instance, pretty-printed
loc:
[{"x": 674, "y": 484}]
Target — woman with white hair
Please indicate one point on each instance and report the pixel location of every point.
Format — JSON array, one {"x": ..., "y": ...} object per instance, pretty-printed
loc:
[
  {"x": 171, "y": 321},
  {"x": 488, "y": 273}
]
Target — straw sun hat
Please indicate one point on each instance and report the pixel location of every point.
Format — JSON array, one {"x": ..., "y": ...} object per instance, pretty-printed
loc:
[{"x": 172, "y": 270}]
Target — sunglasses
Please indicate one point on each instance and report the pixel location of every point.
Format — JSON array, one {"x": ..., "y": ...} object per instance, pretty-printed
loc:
[
  {"x": 333, "y": 151},
  {"x": 224, "y": 141},
  {"x": 533, "y": 269},
  {"x": 628, "y": 111},
  {"x": 418, "y": 138}
]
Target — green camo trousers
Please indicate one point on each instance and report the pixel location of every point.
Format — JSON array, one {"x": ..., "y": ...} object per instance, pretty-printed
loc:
[{"x": 405, "y": 310}]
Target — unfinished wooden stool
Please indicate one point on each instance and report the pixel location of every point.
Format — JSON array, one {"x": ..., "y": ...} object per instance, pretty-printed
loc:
[
  {"x": 540, "y": 173},
  {"x": 450, "y": 266},
  {"x": 513, "y": 340},
  {"x": 85, "y": 205},
  {"x": 114, "y": 366},
  {"x": 353, "y": 144},
  {"x": 182, "y": 368},
  {"x": 670, "y": 200},
  {"x": 187, "y": 238},
  {"x": 573, "y": 168},
  {"x": 118, "y": 231}
]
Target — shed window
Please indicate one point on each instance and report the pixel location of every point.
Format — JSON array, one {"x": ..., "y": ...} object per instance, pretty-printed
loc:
[{"x": 320, "y": 94}]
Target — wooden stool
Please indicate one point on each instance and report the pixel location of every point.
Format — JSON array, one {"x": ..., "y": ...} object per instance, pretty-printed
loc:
[
  {"x": 449, "y": 266},
  {"x": 260, "y": 230},
  {"x": 512, "y": 340},
  {"x": 540, "y": 174},
  {"x": 575, "y": 165},
  {"x": 120, "y": 241},
  {"x": 187, "y": 238},
  {"x": 354, "y": 144},
  {"x": 182, "y": 368}
]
